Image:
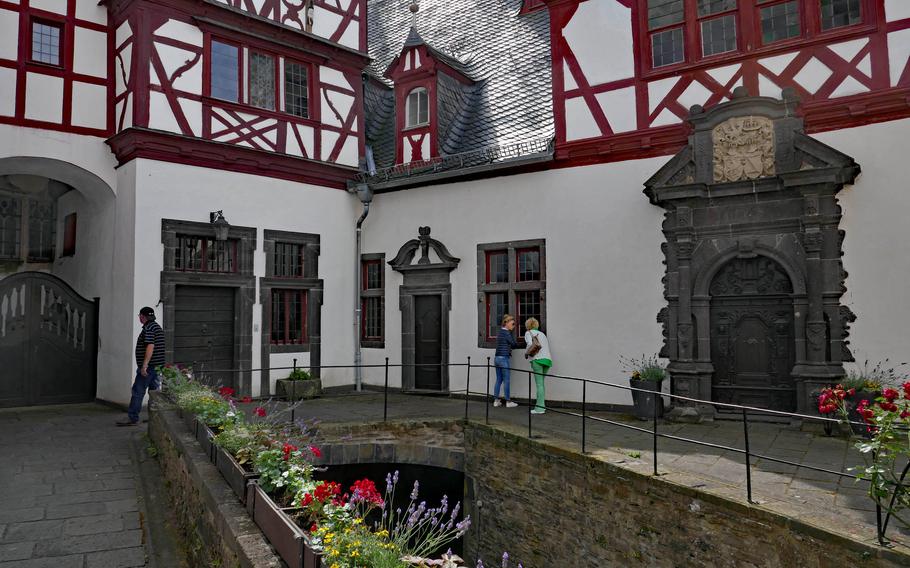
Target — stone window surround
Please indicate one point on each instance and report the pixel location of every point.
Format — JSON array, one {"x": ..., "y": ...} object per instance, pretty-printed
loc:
[
  {"x": 314, "y": 288},
  {"x": 512, "y": 286},
  {"x": 243, "y": 280},
  {"x": 372, "y": 293}
]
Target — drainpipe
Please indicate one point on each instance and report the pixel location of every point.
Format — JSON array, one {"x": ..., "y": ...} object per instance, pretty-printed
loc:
[{"x": 365, "y": 194}]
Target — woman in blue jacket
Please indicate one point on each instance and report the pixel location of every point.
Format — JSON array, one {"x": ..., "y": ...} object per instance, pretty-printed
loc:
[{"x": 505, "y": 343}]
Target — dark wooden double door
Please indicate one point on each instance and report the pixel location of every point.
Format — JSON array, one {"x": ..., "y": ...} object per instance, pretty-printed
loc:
[
  {"x": 48, "y": 342},
  {"x": 203, "y": 330}
]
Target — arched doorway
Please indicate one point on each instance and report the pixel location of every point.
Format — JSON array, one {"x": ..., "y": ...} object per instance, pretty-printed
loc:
[{"x": 752, "y": 334}]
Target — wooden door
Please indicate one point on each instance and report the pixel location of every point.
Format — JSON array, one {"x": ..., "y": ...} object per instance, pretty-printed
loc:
[
  {"x": 428, "y": 342},
  {"x": 203, "y": 331}
]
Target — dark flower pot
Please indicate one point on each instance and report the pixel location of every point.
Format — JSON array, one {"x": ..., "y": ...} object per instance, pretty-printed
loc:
[
  {"x": 234, "y": 473},
  {"x": 646, "y": 404},
  {"x": 854, "y": 416},
  {"x": 298, "y": 389},
  {"x": 289, "y": 540}
]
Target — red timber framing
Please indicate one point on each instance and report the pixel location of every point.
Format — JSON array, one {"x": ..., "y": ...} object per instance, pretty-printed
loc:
[
  {"x": 68, "y": 23},
  {"x": 231, "y": 135},
  {"x": 416, "y": 67},
  {"x": 856, "y": 54},
  {"x": 293, "y": 13}
]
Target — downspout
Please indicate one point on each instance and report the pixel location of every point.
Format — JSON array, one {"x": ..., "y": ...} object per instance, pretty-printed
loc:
[{"x": 365, "y": 194}]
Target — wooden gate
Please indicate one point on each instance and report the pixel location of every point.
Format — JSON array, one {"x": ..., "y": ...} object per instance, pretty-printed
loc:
[{"x": 48, "y": 342}]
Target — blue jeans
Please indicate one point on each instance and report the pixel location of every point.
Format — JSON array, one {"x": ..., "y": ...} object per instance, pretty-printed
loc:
[
  {"x": 140, "y": 385},
  {"x": 503, "y": 375}
]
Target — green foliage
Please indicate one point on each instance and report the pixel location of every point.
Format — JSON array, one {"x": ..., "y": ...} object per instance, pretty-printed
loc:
[
  {"x": 284, "y": 470},
  {"x": 300, "y": 375},
  {"x": 872, "y": 378},
  {"x": 644, "y": 368}
]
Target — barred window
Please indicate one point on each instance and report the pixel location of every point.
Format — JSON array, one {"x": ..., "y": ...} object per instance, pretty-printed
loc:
[
  {"x": 287, "y": 260},
  {"x": 10, "y": 227},
  {"x": 372, "y": 300},
  {"x": 42, "y": 230},
  {"x": 205, "y": 254},
  {"x": 780, "y": 21},
  {"x": 511, "y": 279},
  {"x": 840, "y": 13},
  {"x": 289, "y": 310},
  {"x": 295, "y": 89}
]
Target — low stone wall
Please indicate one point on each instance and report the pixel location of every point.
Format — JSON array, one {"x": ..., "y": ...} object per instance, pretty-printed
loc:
[
  {"x": 216, "y": 528},
  {"x": 550, "y": 507}
]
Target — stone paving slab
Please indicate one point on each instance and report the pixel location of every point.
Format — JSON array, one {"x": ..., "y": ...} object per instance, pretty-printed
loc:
[
  {"x": 823, "y": 499},
  {"x": 69, "y": 495}
]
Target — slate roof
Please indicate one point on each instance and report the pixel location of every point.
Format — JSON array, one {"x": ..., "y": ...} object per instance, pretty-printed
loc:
[{"x": 507, "y": 54}]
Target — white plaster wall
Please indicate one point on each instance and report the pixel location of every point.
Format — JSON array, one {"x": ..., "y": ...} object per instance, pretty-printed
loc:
[
  {"x": 896, "y": 10},
  {"x": 90, "y": 52},
  {"x": 43, "y": 97},
  {"x": 89, "y": 105},
  {"x": 877, "y": 233},
  {"x": 603, "y": 265},
  {"x": 602, "y": 27},
  {"x": 9, "y": 38},
  {"x": 189, "y": 193},
  {"x": 7, "y": 91}
]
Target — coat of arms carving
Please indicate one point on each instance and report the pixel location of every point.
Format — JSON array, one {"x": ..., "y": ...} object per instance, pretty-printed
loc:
[{"x": 743, "y": 149}]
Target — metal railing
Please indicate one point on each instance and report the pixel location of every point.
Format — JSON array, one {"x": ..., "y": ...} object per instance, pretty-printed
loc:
[{"x": 743, "y": 411}]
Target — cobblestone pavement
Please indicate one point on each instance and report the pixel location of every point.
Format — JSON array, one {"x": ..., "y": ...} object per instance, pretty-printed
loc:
[
  {"x": 69, "y": 489},
  {"x": 821, "y": 499}
]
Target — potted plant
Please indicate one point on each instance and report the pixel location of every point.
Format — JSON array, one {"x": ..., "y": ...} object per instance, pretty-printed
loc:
[
  {"x": 866, "y": 383},
  {"x": 646, "y": 375},
  {"x": 300, "y": 384}
]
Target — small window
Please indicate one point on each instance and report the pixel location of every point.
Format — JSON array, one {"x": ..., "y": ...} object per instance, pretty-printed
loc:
[
  {"x": 287, "y": 260},
  {"x": 372, "y": 300},
  {"x": 780, "y": 21},
  {"x": 840, "y": 13},
  {"x": 262, "y": 80},
  {"x": 69, "y": 235},
  {"x": 511, "y": 279},
  {"x": 46, "y": 42},
  {"x": 42, "y": 230},
  {"x": 418, "y": 107},
  {"x": 225, "y": 82},
  {"x": 289, "y": 317},
  {"x": 201, "y": 254},
  {"x": 295, "y": 89},
  {"x": 10, "y": 227},
  {"x": 667, "y": 47}
]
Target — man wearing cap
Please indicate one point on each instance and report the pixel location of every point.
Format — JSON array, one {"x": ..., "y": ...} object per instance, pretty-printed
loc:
[{"x": 149, "y": 356}]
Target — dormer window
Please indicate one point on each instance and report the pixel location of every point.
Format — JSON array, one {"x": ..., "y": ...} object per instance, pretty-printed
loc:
[{"x": 417, "y": 108}]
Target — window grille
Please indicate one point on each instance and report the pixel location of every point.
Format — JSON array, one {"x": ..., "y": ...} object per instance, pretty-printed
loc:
[
  {"x": 295, "y": 89},
  {"x": 46, "y": 42}
]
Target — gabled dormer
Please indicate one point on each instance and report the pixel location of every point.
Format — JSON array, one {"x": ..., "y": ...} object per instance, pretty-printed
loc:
[{"x": 424, "y": 81}]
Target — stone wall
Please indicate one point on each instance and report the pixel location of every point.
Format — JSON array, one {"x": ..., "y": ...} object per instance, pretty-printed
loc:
[
  {"x": 549, "y": 507},
  {"x": 216, "y": 528}
]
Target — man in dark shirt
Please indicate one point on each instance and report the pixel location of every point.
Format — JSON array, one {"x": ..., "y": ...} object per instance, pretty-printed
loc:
[{"x": 149, "y": 356}]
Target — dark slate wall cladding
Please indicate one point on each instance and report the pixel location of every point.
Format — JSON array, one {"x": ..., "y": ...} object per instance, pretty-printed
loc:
[
  {"x": 379, "y": 106},
  {"x": 514, "y": 100},
  {"x": 455, "y": 104}
]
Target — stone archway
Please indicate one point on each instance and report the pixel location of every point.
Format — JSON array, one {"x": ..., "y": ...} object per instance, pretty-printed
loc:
[{"x": 752, "y": 192}]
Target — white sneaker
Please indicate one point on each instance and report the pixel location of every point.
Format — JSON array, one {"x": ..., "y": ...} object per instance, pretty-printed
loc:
[
  {"x": 510, "y": 404},
  {"x": 538, "y": 411},
  {"x": 497, "y": 402}
]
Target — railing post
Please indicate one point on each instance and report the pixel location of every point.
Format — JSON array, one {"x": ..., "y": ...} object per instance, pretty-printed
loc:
[
  {"x": 295, "y": 364},
  {"x": 654, "y": 402},
  {"x": 467, "y": 390},
  {"x": 584, "y": 414},
  {"x": 385, "y": 395},
  {"x": 529, "y": 404},
  {"x": 487, "y": 418},
  {"x": 748, "y": 457}
]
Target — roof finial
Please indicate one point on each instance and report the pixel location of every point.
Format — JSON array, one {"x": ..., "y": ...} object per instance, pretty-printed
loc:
[{"x": 415, "y": 7}]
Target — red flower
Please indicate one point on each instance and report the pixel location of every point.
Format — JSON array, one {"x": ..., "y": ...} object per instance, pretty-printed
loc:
[
  {"x": 226, "y": 392},
  {"x": 287, "y": 449},
  {"x": 905, "y": 414},
  {"x": 365, "y": 491},
  {"x": 313, "y": 528},
  {"x": 890, "y": 394},
  {"x": 246, "y": 400},
  {"x": 326, "y": 490},
  {"x": 316, "y": 451},
  {"x": 307, "y": 499},
  {"x": 259, "y": 411}
]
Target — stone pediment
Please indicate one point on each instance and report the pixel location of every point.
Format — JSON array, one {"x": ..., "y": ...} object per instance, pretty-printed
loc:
[
  {"x": 404, "y": 260},
  {"x": 751, "y": 142}
]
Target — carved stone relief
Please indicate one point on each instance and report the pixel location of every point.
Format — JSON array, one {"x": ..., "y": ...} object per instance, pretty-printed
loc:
[{"x": 743, "y": 149}]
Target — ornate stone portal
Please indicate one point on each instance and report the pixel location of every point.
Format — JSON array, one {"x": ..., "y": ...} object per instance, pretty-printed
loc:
[{"x": 753, "y": 254}]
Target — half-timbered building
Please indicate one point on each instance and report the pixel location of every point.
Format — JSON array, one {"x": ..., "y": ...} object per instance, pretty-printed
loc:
[{"x": 673, "y": 176}]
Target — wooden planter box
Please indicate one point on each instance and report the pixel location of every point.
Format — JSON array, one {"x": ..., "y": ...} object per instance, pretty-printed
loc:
[
  {"x": 286, "y": 537},
  {"x": 234, "y": 473},
  {"x": 204, "y": 436},
  {"x": 190, "y": 420},
  {"x": 298, "y": 390}
]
